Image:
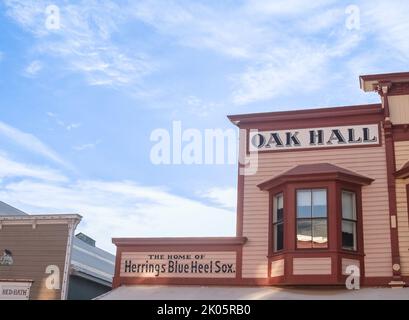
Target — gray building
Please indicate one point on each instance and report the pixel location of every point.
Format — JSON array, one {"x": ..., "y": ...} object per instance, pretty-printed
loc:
[
  {"x": 91, "y": 268},
  {"x": 91, "y": 271}
]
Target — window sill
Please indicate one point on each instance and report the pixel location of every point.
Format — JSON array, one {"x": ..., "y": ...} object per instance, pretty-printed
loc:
[{"x": 314, "y": 251}]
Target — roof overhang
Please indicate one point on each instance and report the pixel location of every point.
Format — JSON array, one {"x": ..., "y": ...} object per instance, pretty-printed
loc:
[
  {"x": 179, "y": 241},
  {"x": 308, "y": 114},
  {"x": 315, "y": 172},
  {"x": 372, "y": 82}
]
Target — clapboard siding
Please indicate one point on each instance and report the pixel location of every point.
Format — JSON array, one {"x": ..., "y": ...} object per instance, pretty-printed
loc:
[
  {"x": 317, "y": 266},
  {"x": 33, "y": 250},
  {"x": 277, "y": 268},
  {"x": 349, "y": 262},
  {"x": 401, "y": 157},
  {"x": 370, "y": 161},
  {"x": 398, "y": 106}
]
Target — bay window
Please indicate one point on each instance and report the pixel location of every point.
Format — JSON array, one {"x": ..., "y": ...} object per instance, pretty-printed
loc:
[{"x": 316, "y": 210}]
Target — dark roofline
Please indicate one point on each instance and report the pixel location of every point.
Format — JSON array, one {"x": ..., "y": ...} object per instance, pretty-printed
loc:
[
  {"x": 315, "y": 172},
  {"x": 385, "y": 76},
  {"x": 316, "y": 113},
  {"x": 184, "y": 241}
]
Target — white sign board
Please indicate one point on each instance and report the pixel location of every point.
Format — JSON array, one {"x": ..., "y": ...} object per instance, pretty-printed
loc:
[
  {"x": 216, "y": 264},
  {"x": 15, "y": 290},
  {"x": 326, "y": 137}
]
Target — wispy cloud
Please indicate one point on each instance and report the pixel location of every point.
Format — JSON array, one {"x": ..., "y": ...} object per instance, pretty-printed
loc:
[
  {"x": 121, "y": 209},
  {"x": 86, "y": 146},
  {"x": 13, "y": 169},
  {"x": 31, "y": 143},
  {"x": 33, "y": 68},
  {"x": 84, "y": 40},
  {"x": 223, "y": 197},
  {"x": 61, "y": 123},
  {"x": 388, "y": 23}
]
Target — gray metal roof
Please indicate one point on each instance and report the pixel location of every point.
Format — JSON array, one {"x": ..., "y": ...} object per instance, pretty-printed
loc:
[
  {"x": 92, "y": 261},
  {"x": 8, "y": 210}
]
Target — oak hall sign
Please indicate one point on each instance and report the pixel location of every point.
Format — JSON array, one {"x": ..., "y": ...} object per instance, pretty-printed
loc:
[{"x": 328, "y": 137}]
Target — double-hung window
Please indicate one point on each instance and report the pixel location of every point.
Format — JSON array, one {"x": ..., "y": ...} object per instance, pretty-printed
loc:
[
  {"x": 278, "y": 222},
  {"x": 312, "y": 218},
  {"x": 349, "y": 221}
]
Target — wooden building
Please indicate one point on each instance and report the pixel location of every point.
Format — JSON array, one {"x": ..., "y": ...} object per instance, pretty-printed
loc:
[{"x": 318, "y": 191}]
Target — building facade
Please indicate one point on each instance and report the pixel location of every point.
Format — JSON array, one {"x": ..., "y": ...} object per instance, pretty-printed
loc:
[
  {"x": 322, "y": 193},
  {"x": 91, "y": 271},
  {"x": 35, "y": 260},
  {"x": 41, "y": 259}
]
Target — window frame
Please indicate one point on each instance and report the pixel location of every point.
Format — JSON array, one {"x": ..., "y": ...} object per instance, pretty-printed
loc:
[
  {"x": 334, "y": 218},
  {"x": 296, "y": 219},
  {"x": 356, "y": 221},
  {"x": 274, "y": 223}
]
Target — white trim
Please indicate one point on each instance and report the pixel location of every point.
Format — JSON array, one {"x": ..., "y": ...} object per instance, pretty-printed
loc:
[
  {"x": 91, "y": 269},
  {"x": 67, "y": 264},
  {"x": 94, "y": 255},
  {"x": 39, "y": 219}
]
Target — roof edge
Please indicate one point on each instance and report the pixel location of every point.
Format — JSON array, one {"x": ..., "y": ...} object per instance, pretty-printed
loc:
[
  {"x": 327, "y": 112},
  {"x": 179, "y": 241}
]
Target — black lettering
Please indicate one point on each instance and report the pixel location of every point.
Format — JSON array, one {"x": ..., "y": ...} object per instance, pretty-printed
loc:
[
  {"x": 336, "y": 135},
  {"x": 258, "y": 140},
  {"x": 128, "y": 266},
  {"x": 171, "y": 266},
  {"x": 194, "y": 267},
  {"x": 366, "y": 136},
  {"x": 351, "y": 136},
  {"x": 274, "y": 138},
  {"x": 292, "y": 138},
  {"x": 316, "y": 135}
]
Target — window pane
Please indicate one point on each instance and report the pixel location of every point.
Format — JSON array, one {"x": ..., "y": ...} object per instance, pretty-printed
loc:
[
  {"x": 348, "y": 205},
  {"x": 278, "y": 213},
  {"x": 319, "y": 233},
  {"x": 349, "y": 235},
  {"x": 279, "y": 236},
  {"x": 304, "y": 203},
  {"x": 304, "y": 237},
  {"x": 319, "y": 203}
]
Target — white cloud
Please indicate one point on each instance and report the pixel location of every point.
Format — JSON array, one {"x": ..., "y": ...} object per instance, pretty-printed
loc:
[
  {"x": 33, "y": 68},
  {"x": 122, "y": 209},
  {"x": 388, "y": 23},
  {"x": 278, "y": 42},
  {"x": 84, "y": 40},
  {"x": 68, "y": 127},
  {"x": 280, "y": 75},
  {"x": 284, "y": 7},
  {"x": 223, "y": 197},
  {"x": 86, "y": 146},
  {"x": 31, "y": 143},
  {"x": 10, "y": 169}
]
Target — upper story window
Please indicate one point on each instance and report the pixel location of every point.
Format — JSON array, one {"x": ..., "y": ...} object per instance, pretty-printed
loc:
[
  {"x": 278, "y": 222},
  {"x": 312, "y": 218},
  {"x": 349, "y": 220},
  {"x": 310, "y": 204}
]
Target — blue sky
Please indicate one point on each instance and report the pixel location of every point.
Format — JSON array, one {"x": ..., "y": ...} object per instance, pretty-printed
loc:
[{"x": 79, "y": 103}]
